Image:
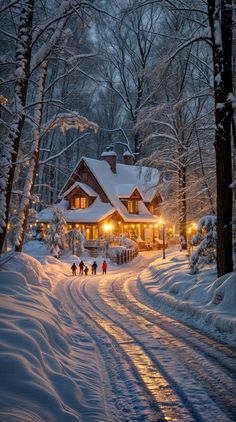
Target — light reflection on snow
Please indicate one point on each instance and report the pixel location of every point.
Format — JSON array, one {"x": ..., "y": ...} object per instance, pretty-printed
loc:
[{"x": 165, "y": 396}]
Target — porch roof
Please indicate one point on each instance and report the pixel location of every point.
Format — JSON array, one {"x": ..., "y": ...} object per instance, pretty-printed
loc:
[{"x": 97, "y": 212}]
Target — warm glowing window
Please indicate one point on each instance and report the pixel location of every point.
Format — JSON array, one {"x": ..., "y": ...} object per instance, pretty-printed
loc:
[
  {"x": 132, "y": 207},
  {"x": 151, "y": 209},
  {"x": 81, "y": 202}
]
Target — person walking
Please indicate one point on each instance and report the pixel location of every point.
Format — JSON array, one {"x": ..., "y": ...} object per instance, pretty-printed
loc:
[
  {"x": 94, "y": 268},
  {"x": 104, "y": 267},
  {"x": 86, "y": 270},
  {"x": 81, "y": 267},
  {"x": 73, "y": 268}
]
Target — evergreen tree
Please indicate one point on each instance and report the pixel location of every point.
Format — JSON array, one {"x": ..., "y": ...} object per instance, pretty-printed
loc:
[{"x": 206, "y": 239}]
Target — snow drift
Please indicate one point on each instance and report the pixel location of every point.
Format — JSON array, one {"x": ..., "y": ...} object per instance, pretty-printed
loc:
[
  {"x": 201, "y": 299},
  {"x": 43, "y": 379}
]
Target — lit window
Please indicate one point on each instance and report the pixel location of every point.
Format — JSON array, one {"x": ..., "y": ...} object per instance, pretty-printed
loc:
[
  {"x": 80, "y": 202},
  {"x": 133, "y": 207},
  {"x": 83, "y": 202}
]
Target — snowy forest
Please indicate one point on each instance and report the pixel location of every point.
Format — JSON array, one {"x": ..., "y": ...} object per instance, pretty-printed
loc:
[{"x": 156, "y": 77}]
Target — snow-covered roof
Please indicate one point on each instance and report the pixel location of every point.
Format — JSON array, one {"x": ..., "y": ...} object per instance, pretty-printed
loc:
[
  {"x": 86, "y": 188},
  {"x": 122, "y": 184},
  {"x": 93, "y": 214},
  {"x": 146, "y": 179},
  {"x": 125, "y": 190}
]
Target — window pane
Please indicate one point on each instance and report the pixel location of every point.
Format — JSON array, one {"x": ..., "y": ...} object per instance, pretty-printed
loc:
[
  {"x": 82, "y": 202},
  {"x": 77, "y": 202}
]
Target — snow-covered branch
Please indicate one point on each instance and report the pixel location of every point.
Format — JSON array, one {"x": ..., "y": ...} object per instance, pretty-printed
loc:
[{"x": 66, "y": 121}]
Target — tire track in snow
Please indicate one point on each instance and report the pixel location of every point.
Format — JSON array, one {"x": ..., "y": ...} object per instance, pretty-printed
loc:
[
  {"x": 208, "y": 366},
  {"x": 126, "y": 388},
  {"x": 171, "y": 400}
]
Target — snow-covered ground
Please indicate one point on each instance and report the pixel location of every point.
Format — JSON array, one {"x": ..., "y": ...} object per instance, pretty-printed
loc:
[
  {"x": 56, "y": 366},
  {"x": 200, "y": 299}
]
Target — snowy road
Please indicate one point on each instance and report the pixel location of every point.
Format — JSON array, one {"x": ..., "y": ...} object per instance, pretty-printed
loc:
[{"x": 149, "y": 367}]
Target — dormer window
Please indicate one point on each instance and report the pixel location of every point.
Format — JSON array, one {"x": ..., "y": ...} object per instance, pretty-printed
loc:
[
  {"x": 132, "y": 206},
  {"x": 81, "y": 202}
]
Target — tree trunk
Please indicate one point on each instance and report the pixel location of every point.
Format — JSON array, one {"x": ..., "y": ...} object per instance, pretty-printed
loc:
[
  {"x": 220, "y": 19},
  {"x": 34, "y": 164},
  {"x": 23, "y": 57},
  {"x": 182, "y": 203}
]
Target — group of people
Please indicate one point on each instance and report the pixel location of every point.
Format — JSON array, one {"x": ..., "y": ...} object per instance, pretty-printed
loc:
[{"x": 83, "y": 269}]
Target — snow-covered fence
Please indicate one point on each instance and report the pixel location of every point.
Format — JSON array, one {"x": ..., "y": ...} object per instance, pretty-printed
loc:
[{"x": 122, "y": 256}]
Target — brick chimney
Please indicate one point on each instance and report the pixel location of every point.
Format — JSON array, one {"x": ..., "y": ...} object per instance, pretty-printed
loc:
[
  {"x": 128, "y": 158},
  {"x": 110, "y": 156}
]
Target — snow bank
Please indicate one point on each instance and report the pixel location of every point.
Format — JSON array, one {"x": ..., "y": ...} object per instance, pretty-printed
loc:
[
  {"x": 32, "y": 355},
  {"x": 47, "y": 366},
  {"x": 29, "y": 267},
  {"x": 201, "y": 299}
]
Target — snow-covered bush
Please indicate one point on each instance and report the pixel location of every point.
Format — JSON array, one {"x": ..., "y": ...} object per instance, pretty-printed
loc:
[
  {"x": 56, "y": 234},
  {"x": 205, "y": 238},
  {"x": 74, "y": 237},
  {"x": 183, "y": 242},
  {"x": 128, "y": 243}
]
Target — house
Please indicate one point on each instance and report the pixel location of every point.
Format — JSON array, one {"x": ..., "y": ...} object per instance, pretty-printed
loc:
[{"x": 103, "y": 197}]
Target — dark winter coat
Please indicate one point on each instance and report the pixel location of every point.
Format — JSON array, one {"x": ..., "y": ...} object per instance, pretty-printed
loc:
[
  {"x": 94, "y": 266},
  {"x": 81, "y": 265}
]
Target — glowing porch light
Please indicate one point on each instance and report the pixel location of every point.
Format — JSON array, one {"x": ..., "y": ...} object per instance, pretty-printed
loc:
[
  {"x": 144, "y": 225},
  {"x": 48, "y": 226},
  {"x": 107, "y": 227}
]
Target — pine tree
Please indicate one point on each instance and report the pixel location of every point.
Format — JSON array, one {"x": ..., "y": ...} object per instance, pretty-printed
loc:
[{"x": 206, "y": 239}]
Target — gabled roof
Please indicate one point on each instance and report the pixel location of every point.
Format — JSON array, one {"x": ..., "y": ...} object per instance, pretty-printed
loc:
[
  {"x": 125, "y": 175},
  {"x": 145, "y": 178},
  {"x": 121, "y": 185},
  {"x": 125, "y": 190},
  {"x": 86, "y": 188}
]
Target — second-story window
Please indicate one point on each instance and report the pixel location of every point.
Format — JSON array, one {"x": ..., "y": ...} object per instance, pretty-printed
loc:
[
  {"x": 132, "y": 207},
  {"x": 81, "y": 202}
]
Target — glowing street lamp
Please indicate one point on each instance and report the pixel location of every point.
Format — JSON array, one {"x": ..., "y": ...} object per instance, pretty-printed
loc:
[{"x": 162, "y": 223}]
